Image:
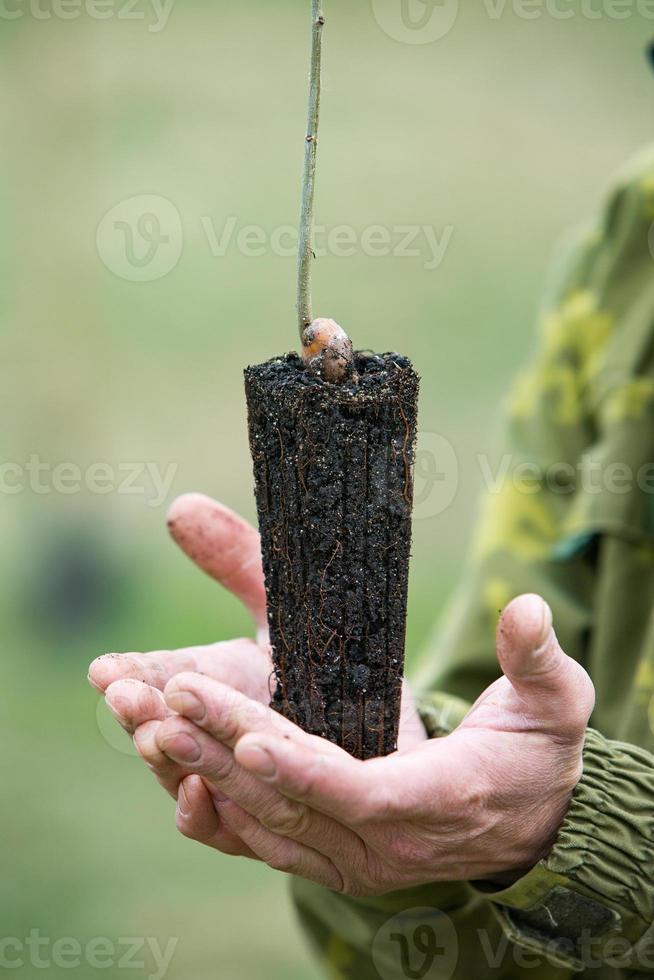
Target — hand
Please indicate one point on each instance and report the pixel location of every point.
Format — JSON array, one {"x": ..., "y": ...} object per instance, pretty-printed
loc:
[
  {"x": 485, "y": 802},
  {"x": 228, "y": 549}
]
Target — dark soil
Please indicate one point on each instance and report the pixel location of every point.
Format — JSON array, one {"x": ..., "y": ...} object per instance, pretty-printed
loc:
[{"x": 333, "y": 468}]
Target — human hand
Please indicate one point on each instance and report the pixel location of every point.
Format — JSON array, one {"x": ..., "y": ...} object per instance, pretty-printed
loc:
[
  {"x": 228, "y": 549},
  {"x": 487, "y": 801}
]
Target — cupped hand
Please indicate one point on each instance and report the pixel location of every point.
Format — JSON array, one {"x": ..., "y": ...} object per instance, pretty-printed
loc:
[
  {"x": 228, "y": 549},
  {"x": 486, "y": 801}
]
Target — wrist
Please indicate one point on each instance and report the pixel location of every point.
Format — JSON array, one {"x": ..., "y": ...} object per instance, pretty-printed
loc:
[{"x": 542, "y": 849}]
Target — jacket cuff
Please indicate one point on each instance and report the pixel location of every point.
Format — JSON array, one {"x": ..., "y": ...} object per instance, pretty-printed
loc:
[{"x": 591, "y": 901}]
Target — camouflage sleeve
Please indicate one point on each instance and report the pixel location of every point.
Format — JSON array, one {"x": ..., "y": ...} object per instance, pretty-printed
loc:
[
  {"x": 586, "y": 402},
  {"x": 591, "y": 902}
]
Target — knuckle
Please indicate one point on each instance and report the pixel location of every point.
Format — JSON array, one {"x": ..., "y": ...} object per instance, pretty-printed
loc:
[
  {"x": 186, "y": 828},
  {"x": 585, "y": 692},
  {"x": 224, "y": 716},
  {"x": 579, "y": 702},
  {"x": 289, "y": 819},
  {"x": 370, "y": 806},
  {"x": 281, "y": 858},
  {"x": 375, "y": 803},
  {"x": 221, "y": 766},
  {"x": 146, "y": 745}
]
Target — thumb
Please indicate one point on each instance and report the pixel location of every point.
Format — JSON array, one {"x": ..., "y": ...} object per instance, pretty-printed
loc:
[
  {"x": 224, "y": 546},
  {"x": 555, "y": 688}
]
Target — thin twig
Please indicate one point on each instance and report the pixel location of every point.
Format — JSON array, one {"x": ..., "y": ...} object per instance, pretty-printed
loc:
[{"x": 305, "y": 252}]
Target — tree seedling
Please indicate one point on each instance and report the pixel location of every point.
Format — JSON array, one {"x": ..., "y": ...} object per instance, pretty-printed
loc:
[{"x": 332, "y": 435}]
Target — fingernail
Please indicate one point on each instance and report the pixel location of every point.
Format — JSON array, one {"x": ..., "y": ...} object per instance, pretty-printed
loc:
[
  {"x": 182, "y": 801},
  {"x": 187, "y": 704},
  {"x": 181, "y": 747},
  {"x": 113, "y": 708},
  {"x": 546, "y": 625},
  {"x": 535, "y": 623},
  {"x": 258, "y": 760},
  {"x": 92, "y": 682}
]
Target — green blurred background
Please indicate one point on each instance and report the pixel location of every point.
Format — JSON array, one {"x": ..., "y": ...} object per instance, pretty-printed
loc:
[{"x": 505, "y": 131}]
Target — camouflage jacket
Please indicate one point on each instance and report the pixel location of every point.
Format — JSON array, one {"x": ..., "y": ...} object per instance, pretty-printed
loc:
[{"x": 577, "y": 526}]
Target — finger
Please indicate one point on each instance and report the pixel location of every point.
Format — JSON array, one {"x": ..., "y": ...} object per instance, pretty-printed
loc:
[
  {"x": 195, "y": 750},
  {"x": 133, "y": 703},
  {"x": 223, "y": 545},
  {"x": 282, "y": 853},
  {"x": 301, "y": 767},
  {"x": 242, "y": 664},
  {"x": 226, "y": 713},
  {"x": 553, "y": 687},
  {"x": 198, "y": 818},
  {"x": 168, "y": 773},
  {"x": 336, "y": 784}
]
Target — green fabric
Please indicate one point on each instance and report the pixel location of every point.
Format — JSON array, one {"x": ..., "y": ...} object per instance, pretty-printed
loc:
[{"x": 577, "y": 526}]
